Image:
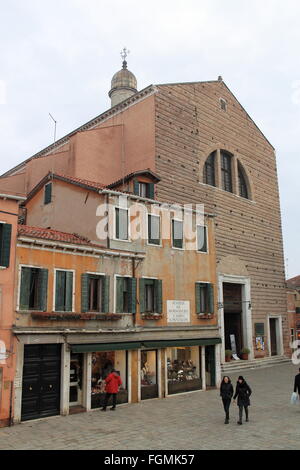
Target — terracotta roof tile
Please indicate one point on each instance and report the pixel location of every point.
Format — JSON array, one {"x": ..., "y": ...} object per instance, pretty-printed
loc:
[
  {"x": 92, "y": 184},
  {"x": 293, "y": 282},
  {"x": 49, "y": 234}
]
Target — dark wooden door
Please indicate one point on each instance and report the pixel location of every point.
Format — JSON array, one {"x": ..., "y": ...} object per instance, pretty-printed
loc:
[
  {"x": 41, "y": 381},
  {"x": 273, "y": 335},
  {"x": 210, "y": 366}
]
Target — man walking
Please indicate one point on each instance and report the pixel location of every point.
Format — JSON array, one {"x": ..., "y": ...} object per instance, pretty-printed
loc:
[{"x": 113, "y": 381}]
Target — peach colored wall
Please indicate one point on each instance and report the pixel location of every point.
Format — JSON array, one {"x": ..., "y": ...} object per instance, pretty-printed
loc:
[
  {"x": 14, "y": 184},
  {"x": 7, "y": 315}
]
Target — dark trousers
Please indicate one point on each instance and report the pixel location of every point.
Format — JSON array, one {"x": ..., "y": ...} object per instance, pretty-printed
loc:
[
  {"x": 107, "y": 397},
  {"x": 241, "y": 412},
  {"x": 226, "y": 404}
]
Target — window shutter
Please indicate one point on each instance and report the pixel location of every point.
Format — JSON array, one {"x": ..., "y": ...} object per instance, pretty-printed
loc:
[
  {"x": 117, "y": 218},
  {"x": 43, "y": 289},
  {"x": 136, "y": 187},
  {"x": 25, "y": 288},
  {"x": 59, "y": 291},
  {"x": 150, "y": 191},
  {"x": 119, "y": 294},
  {"x": 69, "y": 292},
  {"x": 210, "y": 294},
  {"x": 105, "y": 294},
  {"x": 48, "y": 193},
  {"x": 5, "y": 245},
  {"x": 198, "y": 297},
  {"x": 142, "y": 296},
  {"x": 84, "y": 292},
  {"x": 158, "y": 295},
  {"x": 132, "y": 295}
]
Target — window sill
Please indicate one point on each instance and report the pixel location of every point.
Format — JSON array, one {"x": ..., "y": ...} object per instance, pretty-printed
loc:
[
  {"x": 205, "y": 316},
  {"x": 151, "y": 316},
  {"x": 75, "y": 316}
]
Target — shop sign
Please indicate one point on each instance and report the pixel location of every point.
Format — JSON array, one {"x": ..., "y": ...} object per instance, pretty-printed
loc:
[{"x": 178, "y": 311}]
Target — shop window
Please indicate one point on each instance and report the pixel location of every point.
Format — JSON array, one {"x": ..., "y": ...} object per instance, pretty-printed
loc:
[
  {"x": 226, "y": 171},
  {"x": 48, "y": 193},
  {"x": 126, "y": 295},
  {"x": 76, "y": 367},
  {"x": 177, "y": 233},
  {"x": 202, "y": 238},
  {"x": 95, "y": 293},
  {"x": 5, "y": 241},
  {"x": 33, "y": 289},
  {"x": 102, "y": 364},
  {"x": 153, "y": 229},
  {"x": 150, "y": 295},
  {"x": 183, "y": 365},
  {"x": 149, "y": 382},
  {"x": 121, "y": 219},
  {"x": 204, "y": 298},
  {"x": 209, "y": 170},
  {"x": 143, "y": 189},
  {"x": 63, "y": 291}
]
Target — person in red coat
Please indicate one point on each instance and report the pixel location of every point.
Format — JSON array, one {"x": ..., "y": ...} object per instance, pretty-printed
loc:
[{"x": 113, "y": 381}]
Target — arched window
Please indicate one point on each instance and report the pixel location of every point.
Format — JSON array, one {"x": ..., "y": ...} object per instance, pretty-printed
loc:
[
  {"x": 209, "y": 170},
  {"x": 226, "y": 171},
  {"x": 243, "y": 189}
]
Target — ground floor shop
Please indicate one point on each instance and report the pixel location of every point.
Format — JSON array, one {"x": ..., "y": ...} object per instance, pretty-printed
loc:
[{"x": 63, "y": 378}]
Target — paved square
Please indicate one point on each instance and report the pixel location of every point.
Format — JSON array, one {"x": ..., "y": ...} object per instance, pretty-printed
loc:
[{"x": 191, "y": 421}]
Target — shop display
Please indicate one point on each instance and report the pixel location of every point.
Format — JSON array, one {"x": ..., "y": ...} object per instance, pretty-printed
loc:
[
  {"x": 149, "y": 387},
  {"x": 183, "y": 367}
]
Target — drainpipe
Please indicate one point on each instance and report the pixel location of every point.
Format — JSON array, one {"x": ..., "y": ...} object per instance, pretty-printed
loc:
[
  {"x": 133, "y": 275},
  {"x": 10, "y": 404}
]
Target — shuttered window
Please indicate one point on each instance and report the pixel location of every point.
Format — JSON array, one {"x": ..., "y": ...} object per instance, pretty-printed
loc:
[
  {"x": 48, "y": 193},
  {"x": 209, "y": 170},
  {"x": 143, "y": 189},
  {"x": 226, "y": 172},
  {"x": 153, "y": 229},
  {"x": 95, "y": 293},
  {"x": 33, "y": 289},
  {"x": 125, "y": 295},
  {"x": 177, "y": 233},
  {"x": 64, "y": 291},
  {"x": 121, "y": 218},
  {"x": 202, "y": 238},
  {"x": 204, "y": 298},
  {"x": 5, "y": 242},
  {"x": 150, "y": 295}
]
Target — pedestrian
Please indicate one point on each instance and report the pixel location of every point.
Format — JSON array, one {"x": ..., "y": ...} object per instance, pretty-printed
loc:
[
  {"x": 112, "y": 381},
  {"x": 226, "y": 392},
  {"x": 297, "y": 384},
  {"x": 243, "y": 392}
]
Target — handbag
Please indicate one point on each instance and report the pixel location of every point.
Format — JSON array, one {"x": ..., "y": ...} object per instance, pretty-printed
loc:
[{"x": 295, "y": 399}]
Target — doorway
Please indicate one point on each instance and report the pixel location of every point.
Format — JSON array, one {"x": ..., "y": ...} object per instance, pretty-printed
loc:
[
  {"x": 210, "y": 366},
  {"x": 149, "y": 375},
  {"x": 274, "y": 336},
  {"x": 233, "y": 325},
  {"x": 76, "y": 367}
]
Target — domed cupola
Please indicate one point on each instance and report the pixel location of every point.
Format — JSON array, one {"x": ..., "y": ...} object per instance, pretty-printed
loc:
[{"x": 123, "y": 84}]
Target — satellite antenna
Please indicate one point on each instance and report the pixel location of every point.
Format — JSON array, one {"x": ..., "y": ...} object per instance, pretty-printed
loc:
[{"x": 55, "y": 122}]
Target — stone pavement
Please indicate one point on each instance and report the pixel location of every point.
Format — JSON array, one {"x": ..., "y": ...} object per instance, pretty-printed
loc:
[{"x": 186, "y": 422}]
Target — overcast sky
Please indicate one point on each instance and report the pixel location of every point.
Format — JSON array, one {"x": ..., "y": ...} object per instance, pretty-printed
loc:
[{"x": 59, "y": 56}]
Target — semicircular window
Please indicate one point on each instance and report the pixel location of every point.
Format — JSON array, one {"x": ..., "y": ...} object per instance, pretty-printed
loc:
[
  {"x": 209, "y": 170},
  {"x": 243, "y": 188}
]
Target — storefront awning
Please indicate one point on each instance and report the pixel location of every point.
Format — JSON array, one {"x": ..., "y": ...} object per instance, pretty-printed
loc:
[{"x": 81, "y": 348}]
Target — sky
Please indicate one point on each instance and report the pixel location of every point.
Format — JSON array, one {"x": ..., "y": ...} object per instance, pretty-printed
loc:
[{"x": 59, "y": 57}]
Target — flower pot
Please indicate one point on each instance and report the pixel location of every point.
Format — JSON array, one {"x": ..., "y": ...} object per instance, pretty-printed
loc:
[
  {"x": 227, "y": 358},
  {"x": 245, "y": 357}
]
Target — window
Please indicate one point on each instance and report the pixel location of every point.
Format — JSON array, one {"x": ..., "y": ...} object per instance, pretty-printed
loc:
[
  {"x": 95, "y": 293},
  {"x": 63, "y": 291},
  {"x": 184, "y": 371},
  {"x": 226, "y": 172},
  {"x": 209, "y": 170},
  {"x": 5, "y": 241},
  {"x": 177, "y": 233},
  {"x": 121, "y": 223},
  {"x": 223, "y": 104},
  {"x": 243, "y": 191},
  {"x": 153, "y": 229},
  {"x": 48, "y": 193},
  {"x": 202, "y": 238},
  {"x": 143, "y": 189},
  {"x": 126, "y": 295},
  {"x": 204, "y": 298},
  {"x": 33, "y": 291},
  {"x": 150, "y": 295}
]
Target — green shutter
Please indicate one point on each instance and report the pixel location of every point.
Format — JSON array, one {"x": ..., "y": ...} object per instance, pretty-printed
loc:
[
  {"x": 177, "y": 242},
  {"x": 105, "y": 294},
  {"x": 117, "y": 216},
  {"x": 42, "y": 289},
  {"x": 210, "y": 295},
  {"x": 119, "y": 295},
  {"x": 60, "y": 291},
  {"x": 132, "y": 295},
  {"x": 48, "y": 193},
  {"x": 84, "y": 292},
  {"x": 142, "y": 296},
  {"x": 25, "y": 288},
  {"x": 136, "y": 187},
  {"x": 5, "y": 245},
  {"x": 150, "y": 190},
  {"x": 198, "y": 297},
  {"x": 68, "y": 307},
  {"x": 158, "y": 295}
]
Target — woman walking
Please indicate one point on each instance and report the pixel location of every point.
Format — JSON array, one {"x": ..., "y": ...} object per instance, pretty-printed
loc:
[
  {"x": 226, "y": 392},
  {"x": 243, "y": 392}
]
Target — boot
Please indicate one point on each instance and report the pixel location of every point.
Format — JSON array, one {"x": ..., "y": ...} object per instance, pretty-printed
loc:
[
  {"x": 226, "y": 421},
  {"x": 239, "y": 422},
  {"x": 247, "y": 416}
]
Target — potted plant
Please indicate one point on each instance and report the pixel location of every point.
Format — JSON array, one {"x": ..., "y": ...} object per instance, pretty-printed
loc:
[
  {"x": 245, "y": 352},
  {"x": 228, "y": 354}
]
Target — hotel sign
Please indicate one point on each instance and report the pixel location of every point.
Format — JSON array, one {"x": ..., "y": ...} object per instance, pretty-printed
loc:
[{"x": 178, "y": 311}]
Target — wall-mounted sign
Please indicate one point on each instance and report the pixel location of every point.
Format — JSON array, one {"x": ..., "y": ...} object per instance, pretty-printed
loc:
[{"x": 178, "y": 311}]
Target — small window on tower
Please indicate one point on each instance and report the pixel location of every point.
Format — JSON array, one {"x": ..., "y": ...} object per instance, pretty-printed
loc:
[{"x": 223, "y": 104}]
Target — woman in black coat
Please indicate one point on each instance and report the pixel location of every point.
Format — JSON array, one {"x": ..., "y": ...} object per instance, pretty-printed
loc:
[
  {"x": 243, "y": 392},
  {"x": 226, "y": 392}
]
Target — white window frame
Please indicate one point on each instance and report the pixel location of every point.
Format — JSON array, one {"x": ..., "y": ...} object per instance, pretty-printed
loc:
[
  {"x": 115, "y": 293},
  {"x": 128, "y": 225},
  {"x": 207, "y": 244},
  {"x": 54, "y": 289},
  {"x": 160, "y": 230},
  {"x": 202, "y": 282},
  {"x": 183, "y": 241},
  {"x": 19, "y": 282}
]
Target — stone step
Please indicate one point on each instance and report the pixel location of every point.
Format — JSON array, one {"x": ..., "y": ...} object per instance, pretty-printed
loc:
[{"x": 254, "y": 364}]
